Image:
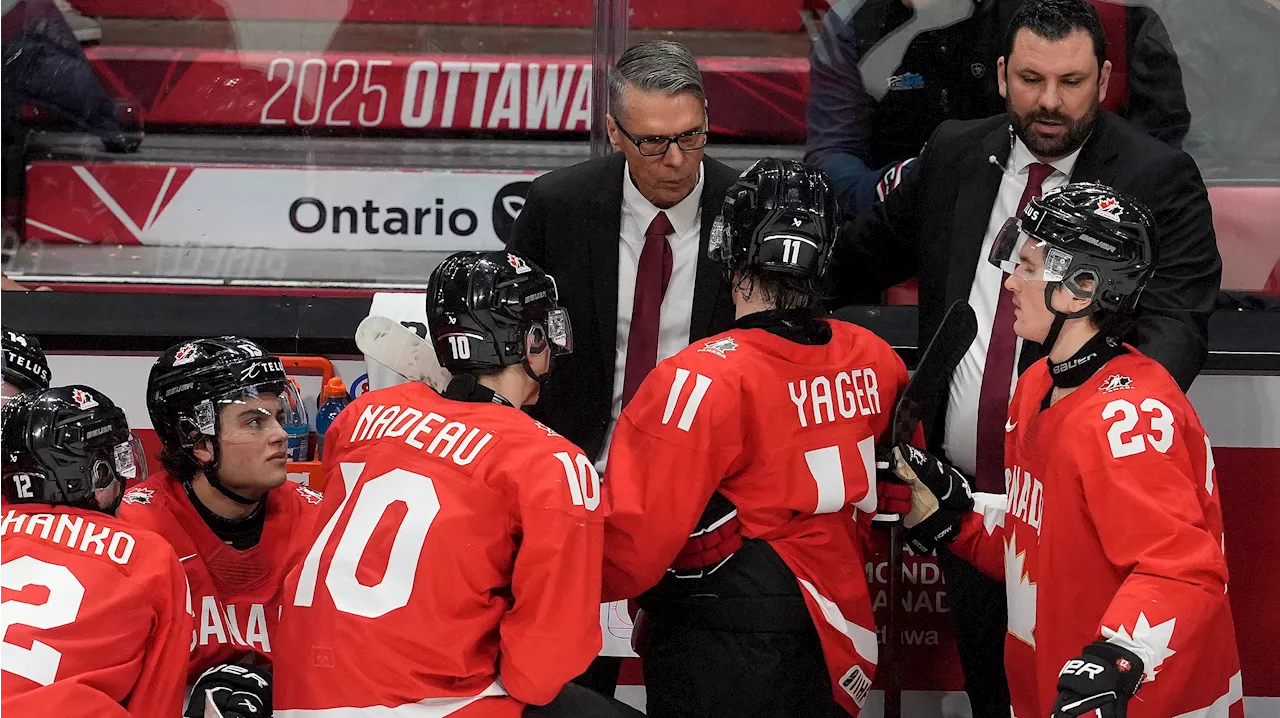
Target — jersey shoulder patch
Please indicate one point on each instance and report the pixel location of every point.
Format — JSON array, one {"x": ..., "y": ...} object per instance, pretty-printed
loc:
[
  {"x": 310, "y": 496},
  {"x": 139, "y": 495}
]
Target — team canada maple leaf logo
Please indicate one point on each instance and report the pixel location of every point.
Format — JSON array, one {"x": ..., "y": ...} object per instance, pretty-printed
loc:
[
  {"x": 140, "y": 495},
  {"x": 185, "y": 355},
  {"x": 519, "y": 264},
  {"x": 312, "y": 496},
  {"x": 83, "y": 399},
  {"x": 544, "y": 427},
  {"x": 1116, "y": 382},
  {"x": 1108, "y": 208},
  {"x": 1124, "y": 665},
  {"x": 719, "y": 346}
]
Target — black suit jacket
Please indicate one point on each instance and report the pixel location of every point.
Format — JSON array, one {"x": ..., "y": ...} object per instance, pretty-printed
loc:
[
  {"x": 933, "y": 225},
  {"x": 570, "y": 227}
]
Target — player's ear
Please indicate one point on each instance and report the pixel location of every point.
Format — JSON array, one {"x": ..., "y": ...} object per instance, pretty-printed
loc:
[{"x": 203, "y": 450}]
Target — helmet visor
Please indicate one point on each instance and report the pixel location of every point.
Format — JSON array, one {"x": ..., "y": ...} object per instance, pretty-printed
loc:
[
  {"x": 129, "y": 460},
  {"x": 252, "y": 408},
  {"x": 1026, "y": 257}
]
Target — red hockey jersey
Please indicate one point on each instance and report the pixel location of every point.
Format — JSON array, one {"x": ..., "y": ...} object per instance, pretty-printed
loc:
[
  {"x": 97, "y": 617},
  {"x": 785, "y": 431},
  {"x": 456, "y": 568},
  {"x": 236, "y": 594},
  {"x": 1111, "y": 530}
]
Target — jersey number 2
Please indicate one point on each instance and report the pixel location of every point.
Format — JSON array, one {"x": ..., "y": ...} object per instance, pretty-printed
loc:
[
  {"x": 39, "y": 663},
  {"x": 418, "y": 495}
]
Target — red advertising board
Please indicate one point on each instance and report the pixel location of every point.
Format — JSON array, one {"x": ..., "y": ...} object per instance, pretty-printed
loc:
[{"x": 761, "y": 98}]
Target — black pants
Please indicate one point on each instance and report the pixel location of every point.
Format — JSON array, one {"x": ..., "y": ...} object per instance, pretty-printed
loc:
[
  {"x": 699, "y": 673},
  {"x": 737, "y": 643},
  {"x": 979, "y": 617},
  {"x": 574, "y": 701}
]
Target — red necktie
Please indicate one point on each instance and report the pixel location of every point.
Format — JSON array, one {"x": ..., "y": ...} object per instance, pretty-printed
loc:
[
  {"x": 652, "y": 276},
  {"x": 993, "y": 401}
]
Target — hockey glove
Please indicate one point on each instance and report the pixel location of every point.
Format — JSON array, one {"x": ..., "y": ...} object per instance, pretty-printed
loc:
[
  {"x": 1103, "y": 678},
  {"x": 892, "y": 177},
  {"x": 238, "y": 690},
  {"x": 894, "y": 493},
  {"x": 940, "y": 497}
]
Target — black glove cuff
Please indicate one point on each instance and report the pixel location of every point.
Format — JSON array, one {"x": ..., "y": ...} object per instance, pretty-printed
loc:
[
  {"x": 1128, "y": 665},
  {"x": 940, "y": 528}
]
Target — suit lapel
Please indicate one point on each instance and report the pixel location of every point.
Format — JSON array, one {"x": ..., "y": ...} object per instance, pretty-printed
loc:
[
  {"x": 709, "y": 290},
  {"x": 973, "y": 212},
  {"x": 602, "y": 226}
]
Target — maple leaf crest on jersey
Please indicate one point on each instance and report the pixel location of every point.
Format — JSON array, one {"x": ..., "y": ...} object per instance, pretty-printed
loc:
[
  {"x": 544, "y": 427},
  {"x": 140, "y": 495},
  {"x": 1116, "y": 382},
  {"x": 311, "y": 495},
  {"x": 719, "y": 346}
]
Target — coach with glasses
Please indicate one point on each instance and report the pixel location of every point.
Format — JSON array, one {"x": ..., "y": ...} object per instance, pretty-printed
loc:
[{"x": 626, "y": 237}]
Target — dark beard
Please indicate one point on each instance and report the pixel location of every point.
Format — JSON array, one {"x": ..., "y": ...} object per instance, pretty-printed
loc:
[{"x": 1053, "y": 147}]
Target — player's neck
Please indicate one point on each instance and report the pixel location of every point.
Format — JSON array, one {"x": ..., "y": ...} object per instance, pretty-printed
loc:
[
  {"x": 512, "y": 383},
  {"x": 1075, "y": 333},
  {"x": 216, "y": 502},
  {"x": 745, "y": 303}
]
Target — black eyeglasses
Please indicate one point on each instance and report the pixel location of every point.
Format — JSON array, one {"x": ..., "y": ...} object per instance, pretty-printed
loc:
[{"x": 657, "y": 146}]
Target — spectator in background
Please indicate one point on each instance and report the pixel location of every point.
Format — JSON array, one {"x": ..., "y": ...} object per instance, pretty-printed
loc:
[
  {"x": 970, "y": 179},
  {"x": 885, "y": 73},
  {"x": 626, "y": 238}
]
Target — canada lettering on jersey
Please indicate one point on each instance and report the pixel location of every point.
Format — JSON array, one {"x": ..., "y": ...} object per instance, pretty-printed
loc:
[
  {"x": 429, "y": 432},
  {"x": 850, "y": 393},
  {"x": 1025, "y": 496},
  {"x": 222, "y": 624},
  {"x": 73, "y": 532}
]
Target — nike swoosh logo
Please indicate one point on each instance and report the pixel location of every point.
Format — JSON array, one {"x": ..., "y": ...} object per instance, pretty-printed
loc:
[
  {"x": 1010, "y": 427},
  {"x": 184, "y": 559}
]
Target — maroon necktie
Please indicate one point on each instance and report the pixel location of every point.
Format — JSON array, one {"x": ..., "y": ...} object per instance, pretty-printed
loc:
[
  {"x": 993, "y": 401},
  {"x": 652, "y": 276}
]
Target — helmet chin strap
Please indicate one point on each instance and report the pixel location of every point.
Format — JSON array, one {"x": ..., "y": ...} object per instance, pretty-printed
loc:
[
  {"x": 1059, "y": 318},
  {"x": 210, "y": 470}
]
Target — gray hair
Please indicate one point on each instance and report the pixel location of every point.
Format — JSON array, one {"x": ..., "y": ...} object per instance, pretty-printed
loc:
[{"x": 662, "y": 66}]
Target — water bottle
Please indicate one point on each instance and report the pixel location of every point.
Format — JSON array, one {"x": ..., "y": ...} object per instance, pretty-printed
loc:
[
  {"x": 297, "y": 425},
  {"x": 335, "y": 399}
]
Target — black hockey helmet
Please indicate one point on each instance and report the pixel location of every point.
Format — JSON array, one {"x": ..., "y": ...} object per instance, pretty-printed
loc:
[
  {"x": 482, "y": 305},
  {"x": 1097, "y": 242},
  {"x": 780, "y": 216},
  {"x": 63, "y": 444},
  {"x": 24, "y": 364},
  {"x": 192, "y": 381}
]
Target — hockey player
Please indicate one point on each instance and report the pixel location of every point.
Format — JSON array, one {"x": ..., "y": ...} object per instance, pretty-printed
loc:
[
  {"x": 223, "y": 502},
  {"x": 96, "y": 612},
  {"x": 777, "y": 417},
  {"x": 457, "y": 567},
  {"x": 25, "y": 368},
  {"x": 1110, "y": 534}
]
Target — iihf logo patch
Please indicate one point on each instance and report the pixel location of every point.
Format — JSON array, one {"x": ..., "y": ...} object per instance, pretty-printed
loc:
[
  {"x": 1116, "y": 382},
  {"x": 186, "y": 354},
  {"x": 83, "y": 399},
  {"x": 519, "y": 264},
  {"x": 140, "y": 495}
]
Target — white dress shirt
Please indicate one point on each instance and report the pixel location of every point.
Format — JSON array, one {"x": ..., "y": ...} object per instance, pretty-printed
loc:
[
  {"x": 960, "y": 441},
  {"x": 676, "y": 314}
]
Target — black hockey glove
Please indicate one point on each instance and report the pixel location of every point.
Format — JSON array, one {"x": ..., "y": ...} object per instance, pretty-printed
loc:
[
  {"x": 1103, "y": 678},
  {"x": 239, "y": 690},
  {"x": 940, "y": 497}
]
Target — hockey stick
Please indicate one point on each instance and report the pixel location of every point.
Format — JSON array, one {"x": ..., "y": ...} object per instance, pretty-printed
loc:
[
  {"x": 919, "y": 404},
  {"x": 399, "y": 349}
]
